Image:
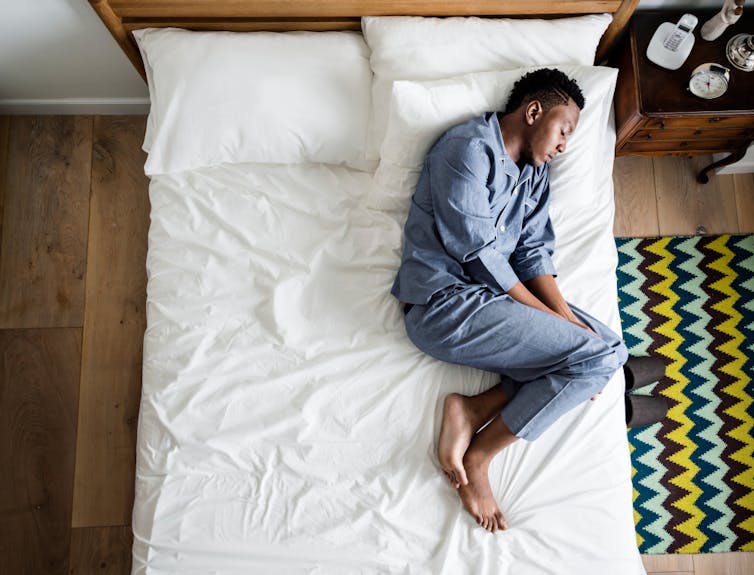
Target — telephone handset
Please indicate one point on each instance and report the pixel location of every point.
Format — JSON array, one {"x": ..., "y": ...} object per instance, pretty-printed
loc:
[
  {"x": 672, "y": 43},
  {"x": 685, "y": 26}
]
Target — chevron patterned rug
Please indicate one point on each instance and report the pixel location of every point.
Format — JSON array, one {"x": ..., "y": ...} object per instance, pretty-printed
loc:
[{"x": 691, "y": 301}]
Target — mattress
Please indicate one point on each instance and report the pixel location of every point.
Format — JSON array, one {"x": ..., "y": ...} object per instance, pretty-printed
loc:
[{"x": 288, "y": 425}]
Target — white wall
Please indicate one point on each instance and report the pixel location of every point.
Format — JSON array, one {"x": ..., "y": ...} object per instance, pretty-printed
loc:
[{"x": 56, "y": 56}]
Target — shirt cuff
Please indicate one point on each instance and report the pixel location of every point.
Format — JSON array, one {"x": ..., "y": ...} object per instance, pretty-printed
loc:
[
  {"x": 499, "y": 268},
  {"x": 542, "y": 266}
]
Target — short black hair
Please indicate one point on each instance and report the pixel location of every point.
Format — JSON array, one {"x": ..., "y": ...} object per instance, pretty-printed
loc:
[{"x": 548, "y": 85}]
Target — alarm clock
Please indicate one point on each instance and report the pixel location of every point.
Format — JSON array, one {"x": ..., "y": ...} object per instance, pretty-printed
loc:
[{"x": 709, "y": 81}]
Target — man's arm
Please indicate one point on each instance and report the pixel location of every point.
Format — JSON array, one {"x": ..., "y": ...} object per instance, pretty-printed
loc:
[
  {"x": 532, "y": 260},
  {"x": 533, "y": 254},
  {"x": 522, "y": 294}
]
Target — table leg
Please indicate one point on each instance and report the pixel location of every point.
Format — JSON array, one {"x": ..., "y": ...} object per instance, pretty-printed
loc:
[{"x": 702, "y": 177}]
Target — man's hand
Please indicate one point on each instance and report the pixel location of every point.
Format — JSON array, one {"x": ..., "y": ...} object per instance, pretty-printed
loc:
[
  {"x": 584, "y": 326},
  {"x": 546, "y": 290}
]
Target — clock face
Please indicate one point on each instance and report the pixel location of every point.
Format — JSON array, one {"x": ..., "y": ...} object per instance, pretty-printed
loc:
[{"x": 706, "y": 84}]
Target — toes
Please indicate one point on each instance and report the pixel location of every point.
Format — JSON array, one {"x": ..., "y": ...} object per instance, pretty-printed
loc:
[
  {"x": 492, "y": 523},
  {"x": 501, "y": 522}
]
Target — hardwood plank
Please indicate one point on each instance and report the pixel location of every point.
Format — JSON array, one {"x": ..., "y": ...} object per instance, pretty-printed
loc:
[
  {"x": 45, "y": 219},
  {"x": 744, "y": 185},
  {"x": 4, "y": 129},
  {"x": 101, "y": 550},
  {"x": 635, "y": 202},
  {"x": 724, "y": 564},
  {"x": 685, "y": 207},
  {"x": 668, "y": 563},
  {"x": 114, "y": 325},
  {"x": 39, "y": 377}
]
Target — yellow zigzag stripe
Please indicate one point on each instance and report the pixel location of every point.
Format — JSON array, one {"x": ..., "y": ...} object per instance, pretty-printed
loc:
[
  {"x": 680, "y": 435},
  {"x": 734, "y": 368}
]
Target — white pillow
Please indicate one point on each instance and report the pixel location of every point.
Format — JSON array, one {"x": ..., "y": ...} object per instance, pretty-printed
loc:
[
  {"x": 224, "y": 97},
  {"x": 415, "y": 48},
  {"x": 422, "y": 111}
]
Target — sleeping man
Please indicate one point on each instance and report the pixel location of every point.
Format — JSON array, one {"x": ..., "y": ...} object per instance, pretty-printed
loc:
[{"x": 477, "y": 281}]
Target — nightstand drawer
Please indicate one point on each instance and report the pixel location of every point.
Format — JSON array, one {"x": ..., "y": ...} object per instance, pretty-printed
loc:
[
  {"x": 694, "y": 133},
  {"x": 691, "y": 145},
  {"x": 700, "y": 122}
]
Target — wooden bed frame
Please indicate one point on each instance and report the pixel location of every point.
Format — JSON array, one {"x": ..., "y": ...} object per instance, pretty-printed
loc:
[{"x": 123, "y": 16}]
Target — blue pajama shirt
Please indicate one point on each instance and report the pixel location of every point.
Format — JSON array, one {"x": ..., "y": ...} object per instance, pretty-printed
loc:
[{"x": 478, "y": 225}]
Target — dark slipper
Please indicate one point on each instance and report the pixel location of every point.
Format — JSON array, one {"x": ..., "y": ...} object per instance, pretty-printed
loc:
[
  {"x": 641, "y": 371},
  {"x": 642, "y": 410}
]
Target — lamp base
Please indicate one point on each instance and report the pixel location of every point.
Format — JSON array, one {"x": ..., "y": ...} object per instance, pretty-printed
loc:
[{"x": 740, "y": 52}]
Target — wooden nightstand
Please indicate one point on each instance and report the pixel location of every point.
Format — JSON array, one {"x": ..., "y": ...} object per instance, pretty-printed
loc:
[{"x": 655, "y": 114}]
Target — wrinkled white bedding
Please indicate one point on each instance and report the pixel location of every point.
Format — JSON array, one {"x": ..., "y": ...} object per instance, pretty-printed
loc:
[{"x": 288, "y": 425}]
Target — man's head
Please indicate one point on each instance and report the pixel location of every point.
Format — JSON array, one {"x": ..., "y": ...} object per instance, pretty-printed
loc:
[{"x": 548, "y": 103}]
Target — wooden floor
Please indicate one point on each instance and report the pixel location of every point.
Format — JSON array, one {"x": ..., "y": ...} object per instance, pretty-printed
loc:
[{"x": 74, "y": 214}]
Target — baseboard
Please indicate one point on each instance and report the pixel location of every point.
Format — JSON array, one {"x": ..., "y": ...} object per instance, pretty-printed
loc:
[
  {"x": 743, "y": 166},
  {"x": 78, "y": 106}
]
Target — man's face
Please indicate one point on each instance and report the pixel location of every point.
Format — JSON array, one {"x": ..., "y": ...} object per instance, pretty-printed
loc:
[{"x": 548, "y": 132}]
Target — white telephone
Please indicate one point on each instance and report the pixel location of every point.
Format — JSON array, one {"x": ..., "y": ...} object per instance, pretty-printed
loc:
[{"x": 672, "y": 43}]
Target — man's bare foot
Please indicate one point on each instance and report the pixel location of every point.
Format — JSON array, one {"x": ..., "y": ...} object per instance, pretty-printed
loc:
[
  {"x": 462, "y": 417},
  {"x": 455, "y": 435},
  {"x": 477, "y": 494}
]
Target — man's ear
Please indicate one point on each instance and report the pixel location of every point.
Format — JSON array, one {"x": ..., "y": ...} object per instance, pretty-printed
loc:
[{"x": 533, "y": 111}]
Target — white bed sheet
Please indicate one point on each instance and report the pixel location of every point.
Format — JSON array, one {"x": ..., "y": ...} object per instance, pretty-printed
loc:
[{"x": 288, "y": 425}]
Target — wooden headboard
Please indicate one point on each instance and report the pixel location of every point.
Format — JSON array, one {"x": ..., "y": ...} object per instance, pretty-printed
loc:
[{"x": 123, "y": 16}]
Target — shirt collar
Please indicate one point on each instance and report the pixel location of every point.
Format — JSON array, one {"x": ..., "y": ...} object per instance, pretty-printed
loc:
[{"x": 509, "y": 166}]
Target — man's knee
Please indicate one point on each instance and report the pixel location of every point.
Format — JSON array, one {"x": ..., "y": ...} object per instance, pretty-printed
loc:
[
  {"x": 592, "y": 376},
  {"x": 601, "y": 360}
]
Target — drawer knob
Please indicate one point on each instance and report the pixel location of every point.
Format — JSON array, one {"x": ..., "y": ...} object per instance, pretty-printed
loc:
[
  {"x": 698, "y": 132},
  {"x": 662, "y": 125},
  {"x": 715, "y": 120}
]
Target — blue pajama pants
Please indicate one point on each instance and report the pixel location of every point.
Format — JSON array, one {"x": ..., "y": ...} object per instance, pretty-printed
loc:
[{"x": 547, "y": 365}]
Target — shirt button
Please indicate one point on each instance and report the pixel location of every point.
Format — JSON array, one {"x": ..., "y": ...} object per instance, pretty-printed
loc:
[{"x": 502, "y": 227}]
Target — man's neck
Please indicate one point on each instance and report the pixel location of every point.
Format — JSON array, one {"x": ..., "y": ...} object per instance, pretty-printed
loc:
[{"x": 512, "y": 136}]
